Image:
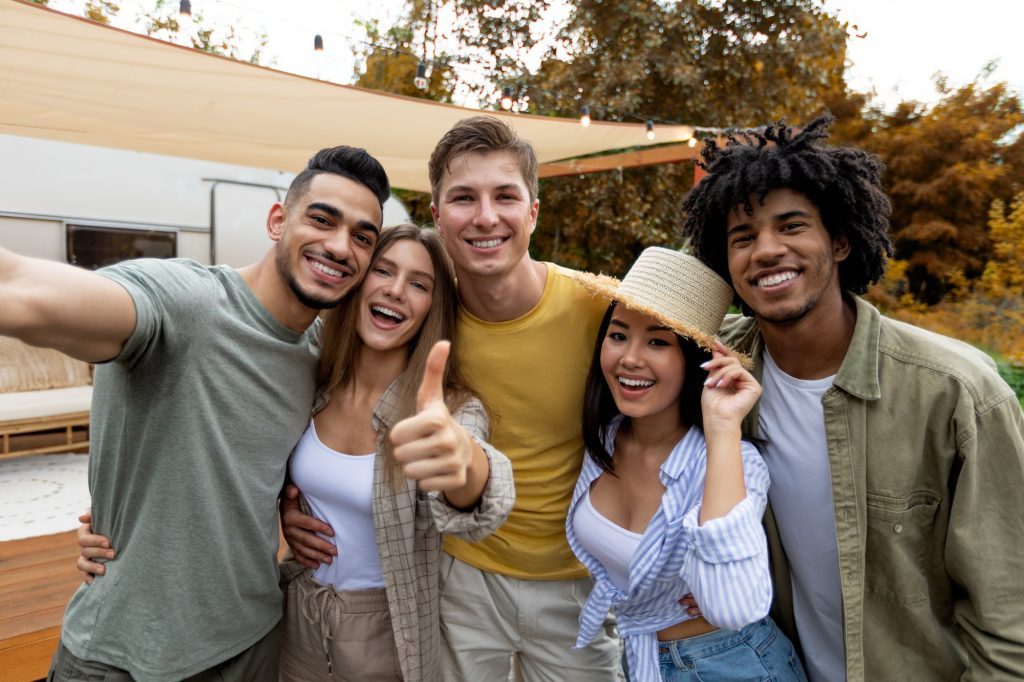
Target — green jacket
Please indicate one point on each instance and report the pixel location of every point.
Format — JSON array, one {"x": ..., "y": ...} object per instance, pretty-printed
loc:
[{"x": 926, "y": 450}]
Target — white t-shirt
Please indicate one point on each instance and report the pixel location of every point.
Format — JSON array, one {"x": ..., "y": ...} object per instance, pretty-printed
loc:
[
  {"x": 339, "y": 490},
  {"x": 792, "y": 423}
]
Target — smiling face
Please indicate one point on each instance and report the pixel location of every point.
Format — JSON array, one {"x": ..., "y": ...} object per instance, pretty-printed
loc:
[
  {"x": 396, "y": 296},
  {"x": 642, "y": 364},
  {"x": 485, "y": 214},
  {"x": 325, "y": 239},
  {"x": 782, "y": 260}
]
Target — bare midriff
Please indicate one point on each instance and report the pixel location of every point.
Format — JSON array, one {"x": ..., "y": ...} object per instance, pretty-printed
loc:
[{"x": 688, "y": 628}]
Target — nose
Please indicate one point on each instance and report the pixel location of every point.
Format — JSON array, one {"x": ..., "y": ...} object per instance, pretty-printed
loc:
[
  {"x": 338, "y": 245},
  {"x": 394, "y": 288},
  {"x": 767, "y": 246},
  {"x": 486, "y": 216},
  {"x": 632, "y": 354}
]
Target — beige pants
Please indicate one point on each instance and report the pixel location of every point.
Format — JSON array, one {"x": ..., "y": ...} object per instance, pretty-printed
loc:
[
  {"x": 342, "y": 636},
  {"x": 492, "y": 622}
]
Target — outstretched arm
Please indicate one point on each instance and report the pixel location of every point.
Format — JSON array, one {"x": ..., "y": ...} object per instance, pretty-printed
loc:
[{"x": 59, "y": 306}]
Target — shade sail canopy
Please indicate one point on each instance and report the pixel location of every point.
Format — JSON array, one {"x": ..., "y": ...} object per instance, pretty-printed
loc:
[{"x": 69, "y": 79}]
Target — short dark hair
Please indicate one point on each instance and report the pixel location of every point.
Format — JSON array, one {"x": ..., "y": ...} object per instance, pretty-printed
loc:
[
  {"x": 843, "y": 183},
  {"x": 349, "y": 162},
  {"x": 599, "y": 407},
  {"x": 481, "y": 134}
]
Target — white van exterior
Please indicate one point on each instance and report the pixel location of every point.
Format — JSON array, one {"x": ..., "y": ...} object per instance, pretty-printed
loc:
[{"x": 56, "y": 195}]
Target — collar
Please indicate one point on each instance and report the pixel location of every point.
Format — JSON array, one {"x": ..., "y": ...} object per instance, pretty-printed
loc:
[{"x": 858, "y": 375}]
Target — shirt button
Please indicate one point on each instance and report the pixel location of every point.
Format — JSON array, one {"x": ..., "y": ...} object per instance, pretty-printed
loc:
[{"x": 898, "y": 528}]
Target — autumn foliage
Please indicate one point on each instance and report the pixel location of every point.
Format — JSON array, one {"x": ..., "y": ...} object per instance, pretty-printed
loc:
[
  {"x": 987, "y": 311},
  {"x": 954, "y": 167}
]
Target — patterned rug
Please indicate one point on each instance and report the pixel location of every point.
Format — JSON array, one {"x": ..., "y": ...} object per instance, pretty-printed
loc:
[{"x": 42, "y": 495}]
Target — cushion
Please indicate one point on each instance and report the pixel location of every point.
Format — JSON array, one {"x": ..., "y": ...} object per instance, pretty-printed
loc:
[
  {"x": 27, "y": 368},
  {"x": 36, "y": 404}
]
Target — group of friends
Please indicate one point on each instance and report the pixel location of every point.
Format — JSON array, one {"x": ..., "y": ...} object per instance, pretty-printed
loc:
[{"x": 486, "y": 465}]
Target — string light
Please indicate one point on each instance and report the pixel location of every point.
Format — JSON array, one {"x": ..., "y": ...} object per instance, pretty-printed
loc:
[
  {"x": 185, "y": 24},
  {"x": 318, "y": 55},
  {"x": 507, "y": 102},
  {"x": 420, "y": 81},
  {"x": 585, "y": 116}
]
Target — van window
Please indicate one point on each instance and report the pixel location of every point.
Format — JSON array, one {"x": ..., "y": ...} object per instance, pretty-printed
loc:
[{"x": 95, "y": 247}]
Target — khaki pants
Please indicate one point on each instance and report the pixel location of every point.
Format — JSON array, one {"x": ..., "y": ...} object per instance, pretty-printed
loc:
[
  {"x": 258, "y": 663},
  {"x": 341, "y": 636},
  {"x": 492, "y": 622}
]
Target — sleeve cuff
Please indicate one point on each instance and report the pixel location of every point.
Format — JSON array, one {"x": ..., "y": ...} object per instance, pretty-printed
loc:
[{"x": 734, "y": 537}]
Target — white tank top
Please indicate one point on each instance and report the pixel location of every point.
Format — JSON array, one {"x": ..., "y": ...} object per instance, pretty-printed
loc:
[
  {"x": 339, "y": 489},
  {"x": 612, "y": 545}
]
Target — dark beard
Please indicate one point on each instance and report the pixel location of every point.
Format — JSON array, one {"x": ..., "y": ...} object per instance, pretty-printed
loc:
[
  {"x": 304, "y": 297},
  {"x": 808, "y": 306}
]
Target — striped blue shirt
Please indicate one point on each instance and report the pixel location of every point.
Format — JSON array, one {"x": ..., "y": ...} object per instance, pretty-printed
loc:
[{"x": 724, "y": 563}]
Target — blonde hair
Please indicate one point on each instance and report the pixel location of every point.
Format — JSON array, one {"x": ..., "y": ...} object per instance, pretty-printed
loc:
[{"x": 340, "y": 343}]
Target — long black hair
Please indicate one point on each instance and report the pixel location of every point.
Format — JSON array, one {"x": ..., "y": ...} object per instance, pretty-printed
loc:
[
  {"x": 843, "y": 183},
  {"x": 599, "y": 407}
]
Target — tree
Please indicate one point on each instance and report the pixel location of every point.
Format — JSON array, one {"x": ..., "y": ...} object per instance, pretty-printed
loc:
[
  {"x": 946, "y": 164},
  {"x": 162, "y": 22},
  {"x": 702, "y": 62},
  {"x": 101, "y": 10},
  {"x": 389, "y": 65},
  {"x": 988, "y": 311}
]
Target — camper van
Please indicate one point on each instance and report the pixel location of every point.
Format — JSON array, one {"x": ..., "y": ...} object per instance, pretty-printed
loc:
[{"x": 94, "y": 206}]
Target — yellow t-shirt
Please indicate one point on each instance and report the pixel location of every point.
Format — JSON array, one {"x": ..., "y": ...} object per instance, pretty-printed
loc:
[{"x": 531, "y": 373}]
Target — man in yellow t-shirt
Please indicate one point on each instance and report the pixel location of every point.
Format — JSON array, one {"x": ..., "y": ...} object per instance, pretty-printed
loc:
[{"x": 526, "y": 340}]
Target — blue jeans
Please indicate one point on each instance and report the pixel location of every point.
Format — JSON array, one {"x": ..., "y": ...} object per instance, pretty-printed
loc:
[{"x": 760, "y": 651}]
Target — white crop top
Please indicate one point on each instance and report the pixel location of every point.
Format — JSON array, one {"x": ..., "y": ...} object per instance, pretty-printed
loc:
[
  {"x": 611, "y": 544},
  {"x": 339, "y": 490}
]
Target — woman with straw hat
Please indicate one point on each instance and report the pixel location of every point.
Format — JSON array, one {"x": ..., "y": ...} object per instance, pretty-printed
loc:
[{"x": 670, "y": 498}]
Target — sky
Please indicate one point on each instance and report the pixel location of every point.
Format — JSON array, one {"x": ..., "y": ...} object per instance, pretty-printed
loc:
[{"x": 904, "y": 44}]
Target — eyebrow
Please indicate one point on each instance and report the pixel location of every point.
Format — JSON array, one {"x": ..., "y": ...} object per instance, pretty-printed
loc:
[
  {"x": 653, "y": 328},
  {"x": 420, "y": 273},
  {"x": 781, "y": 217},
  {"x": 455, "y": 189},
  {"x": 791, "y": 214},
  {"x": 336, "y": 213}
]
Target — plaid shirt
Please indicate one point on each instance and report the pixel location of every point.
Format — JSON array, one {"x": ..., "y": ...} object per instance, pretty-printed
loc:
[{"x": 409, "y": 524}]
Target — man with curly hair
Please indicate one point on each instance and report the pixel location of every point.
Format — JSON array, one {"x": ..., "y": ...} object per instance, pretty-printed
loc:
[{"x": 896, "y": 455}]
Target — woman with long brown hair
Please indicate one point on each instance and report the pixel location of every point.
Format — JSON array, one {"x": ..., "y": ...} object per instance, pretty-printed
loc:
[{"x": 395, "y": 454}]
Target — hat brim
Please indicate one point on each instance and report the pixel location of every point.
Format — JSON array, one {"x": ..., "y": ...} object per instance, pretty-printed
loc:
[{"x": 608, "y": 288}]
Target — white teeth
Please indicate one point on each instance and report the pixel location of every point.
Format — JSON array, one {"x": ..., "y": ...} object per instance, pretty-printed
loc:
[
  {"x": 486, "y": 244},
  {"x": 387, "y": 311},
  {"x": 323, "y": 268},
  {"x": 635, "y": 383},
  {"x": 776, "y": 279}
]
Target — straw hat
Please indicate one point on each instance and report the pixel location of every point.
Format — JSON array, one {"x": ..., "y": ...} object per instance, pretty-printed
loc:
[{"x": 675, "y": 289}]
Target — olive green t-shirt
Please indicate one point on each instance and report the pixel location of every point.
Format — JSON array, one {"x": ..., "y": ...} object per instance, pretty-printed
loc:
[{"x": 191, "y": 429}]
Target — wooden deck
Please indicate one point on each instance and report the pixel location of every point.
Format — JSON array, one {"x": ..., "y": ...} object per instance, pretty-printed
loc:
[{"x": 37, "y": 577}]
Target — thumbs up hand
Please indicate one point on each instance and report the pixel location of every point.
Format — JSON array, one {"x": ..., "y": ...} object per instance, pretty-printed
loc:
[{"x": 433, "y": 449}]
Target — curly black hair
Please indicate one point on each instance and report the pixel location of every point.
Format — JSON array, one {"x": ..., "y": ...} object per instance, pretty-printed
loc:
[{"x": 843, "y": 183}]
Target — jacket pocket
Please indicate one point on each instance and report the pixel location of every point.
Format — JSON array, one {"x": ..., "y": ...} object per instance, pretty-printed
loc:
[{"x": 898, "y": 538}]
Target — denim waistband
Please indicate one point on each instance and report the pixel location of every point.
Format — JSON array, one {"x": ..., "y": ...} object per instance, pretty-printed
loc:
[{"x": 700, "y": 646}]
